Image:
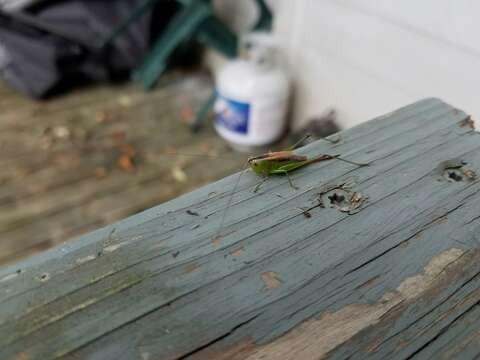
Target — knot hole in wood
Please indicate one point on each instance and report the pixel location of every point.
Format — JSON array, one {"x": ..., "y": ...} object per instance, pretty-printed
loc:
[
  {"x": 338, "y": 198},
  {"x": 453, "y": 175},
  {"x": 456, "y": 171}
]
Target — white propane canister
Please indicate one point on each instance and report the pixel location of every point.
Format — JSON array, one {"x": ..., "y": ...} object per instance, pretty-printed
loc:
[{"x": 252, "y": 96}]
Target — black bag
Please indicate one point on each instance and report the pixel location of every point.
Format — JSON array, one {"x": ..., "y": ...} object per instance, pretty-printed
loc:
[{"x": 50, "y": 47}]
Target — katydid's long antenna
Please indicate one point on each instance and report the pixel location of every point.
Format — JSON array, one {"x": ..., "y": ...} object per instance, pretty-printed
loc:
[
  {"x": 308, "y": 136},
  {"x": 299, "y": 142},
  {"x": 199, "y": 155},
  {"x": 224, "y": 216}
]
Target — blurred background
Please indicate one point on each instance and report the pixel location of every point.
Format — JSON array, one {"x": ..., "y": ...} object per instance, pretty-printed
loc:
[{"x": 108, "y": 108}]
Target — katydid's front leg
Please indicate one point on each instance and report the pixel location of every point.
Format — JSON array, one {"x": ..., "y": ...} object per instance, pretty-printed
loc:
[
  {"x": 290, "y": 180},
  {"x": 257, "y": 187}
]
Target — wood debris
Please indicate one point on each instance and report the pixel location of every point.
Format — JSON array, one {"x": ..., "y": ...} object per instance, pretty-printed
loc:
[{"x": 178, "y": 174}]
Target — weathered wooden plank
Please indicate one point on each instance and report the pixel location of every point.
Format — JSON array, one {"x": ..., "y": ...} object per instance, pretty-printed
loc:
[
  {"x": 97, "y": 203},
  {"x": 51, "y": 188},
  {"x": 84, "y": 121},
  {"x": 395, "y": 278},
  {"x": 19, "y": 110}
]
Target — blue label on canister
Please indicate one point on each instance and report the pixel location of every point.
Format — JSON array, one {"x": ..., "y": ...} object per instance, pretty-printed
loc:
[{"x": 232, "y": 115}]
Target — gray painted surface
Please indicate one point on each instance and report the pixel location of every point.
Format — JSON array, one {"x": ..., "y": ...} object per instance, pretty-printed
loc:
[{"x": 397, "y": 277}]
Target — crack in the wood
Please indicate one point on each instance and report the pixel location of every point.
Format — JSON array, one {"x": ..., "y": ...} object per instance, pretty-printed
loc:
[
  {"x": 449, "y": 297},
  {"x": 218, "y": 339},
  {"x": 323, "y": 299},
  {"x": 442, "y": 331},
  {"x": 410, "y": 159},
  {"x": 425, "y": 227},
  {"x": 295, "y": 289},
  {"x": 472, "y": 220},
  {"x": 450, "y": 263}
]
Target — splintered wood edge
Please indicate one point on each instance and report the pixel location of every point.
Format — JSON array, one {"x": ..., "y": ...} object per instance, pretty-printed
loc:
[{"x": 316, "y": 337}]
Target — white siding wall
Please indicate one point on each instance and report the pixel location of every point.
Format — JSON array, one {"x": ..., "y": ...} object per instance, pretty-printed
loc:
[{"x": 368, "y": 57}]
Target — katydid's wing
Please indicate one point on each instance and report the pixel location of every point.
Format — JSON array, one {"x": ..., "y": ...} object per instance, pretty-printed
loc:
[
  {"x": 271, "y": 156},
  {"x": 299, "y": 142},
  {"x": 297, "y": 162},
  {"x": 284, "y": 156},
  {"x": 284, "y": 168}
]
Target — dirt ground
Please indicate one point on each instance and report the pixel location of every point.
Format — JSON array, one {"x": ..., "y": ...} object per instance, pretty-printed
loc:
[{"x": 86, "y": 159}]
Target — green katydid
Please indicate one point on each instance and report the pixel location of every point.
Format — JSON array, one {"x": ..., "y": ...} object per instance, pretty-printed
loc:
[
  {"x": 278, "y": 163},
  {"x": 284, "y": 162},
  {"x": 281, "y": 163}
]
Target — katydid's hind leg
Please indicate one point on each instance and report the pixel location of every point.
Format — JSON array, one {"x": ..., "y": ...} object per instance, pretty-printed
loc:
[
  {"x": 259, "y": 185},
  {"x": 290, "y": 181},
  {"x": 345, "y": 160},
  {"x": 299, "y": 142}
]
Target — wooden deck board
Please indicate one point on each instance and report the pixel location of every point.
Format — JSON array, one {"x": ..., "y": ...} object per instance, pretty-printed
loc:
[
  {"x": 57, "y": 187},
  {"x": 395, "y": 278}
]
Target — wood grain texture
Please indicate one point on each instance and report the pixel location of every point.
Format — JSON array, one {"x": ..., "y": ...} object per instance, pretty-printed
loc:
[
  {"x": 60, "y": 174},
  {"x": 396, "y": 278}
]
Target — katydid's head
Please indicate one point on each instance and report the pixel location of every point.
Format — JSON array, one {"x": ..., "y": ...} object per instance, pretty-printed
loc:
[{"x": 258, "y": 165}]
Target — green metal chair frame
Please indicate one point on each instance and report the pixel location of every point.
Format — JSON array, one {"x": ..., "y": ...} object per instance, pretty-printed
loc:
[{"x": 195, "y": 20}]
